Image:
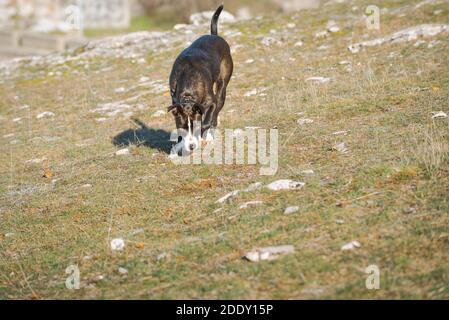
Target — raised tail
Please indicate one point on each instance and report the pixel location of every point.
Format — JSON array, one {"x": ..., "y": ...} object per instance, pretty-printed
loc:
[{"x": 213, "y": 25}]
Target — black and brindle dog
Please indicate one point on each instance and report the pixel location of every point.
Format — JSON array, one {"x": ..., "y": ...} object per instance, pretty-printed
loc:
[{"x": 198, "y": 83}]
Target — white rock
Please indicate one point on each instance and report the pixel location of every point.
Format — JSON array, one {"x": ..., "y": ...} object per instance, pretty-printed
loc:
[
  {"x": 409, "y": 34},
  {"x": 333, "y": 29},
  {"x": 250, "y": 188},
  {"x": 321, "y": 34},
  {"x": 249, "y": 61},
  {"x": 120, "y": 90},
  {"x": 321, "y": 80},
  {"x": 117, "y": 244},
  {"x": 343, "y": 132},
  {"x": 308, "y": 172},
  {"x": 341, "y": 147},
  {"x": 45, "y": 114},
  {"x": 268, "y": 253},
  {"x": 439, "y": 114},
  {"x": 304, "y": 121},
  {"x": 253, "y": 187},
  {"x": 36, "y": 160},
  {"x": 144, "y": 79},
  {"x": 228, "y": 196},
  {"x": 250, "y": 93},
  {"x": 123, "y": 152},
  {"x": 290, "y": 210},
  {"x": 268, "y": 41},
  {"x": 285, "y": 184},
  {"x": 16, "y": 119},
  {"x": 122, "y": 270},
  {"x": 180, "y": 26},
  {"x": 344, "y": 62},
  {"x": 351, "y": 245},
  {"x": 159, "y": 113},
  {"x": 291, "y": 25},
  {"x": 299, "y": 44},
  {"x": 9, "y": 135},
  {"x": 250, "y": 203}
]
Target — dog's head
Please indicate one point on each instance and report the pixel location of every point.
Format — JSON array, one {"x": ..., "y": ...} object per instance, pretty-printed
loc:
[{"x": 188, "y": 116}]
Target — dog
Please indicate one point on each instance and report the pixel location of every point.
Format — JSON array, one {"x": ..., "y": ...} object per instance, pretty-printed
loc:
[{"x": 198, "y": 83}]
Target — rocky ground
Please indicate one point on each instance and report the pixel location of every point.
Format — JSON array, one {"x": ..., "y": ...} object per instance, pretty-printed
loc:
[{"x": 86, "y": 178}]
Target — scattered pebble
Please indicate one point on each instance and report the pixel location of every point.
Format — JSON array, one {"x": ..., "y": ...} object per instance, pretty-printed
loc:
[
  {"x": 308, "y": 172},
  {"x": 268, "y": 253},
  {"x": 123, "y": 152},
  {"x": 250, "y": 203},
  {"x": 321, "y": 34},
  {"x": 16, "y": 119},
  {"x": 285, "y": 184},
  {"x": 304, "y": 121},
  {"x": 351, "y": 245},
  {"x": 409, "y": 34},
  {"x": 439, "y": 114},
  {"x": 299, "y": 44},
  {"x": 38, "y": 160},
  {"x": 290, "y": 210},
  {"x": 249, "y": 61},
  {"x": 338, "y": 133},
  {"x": 45, "y": 114},
  {"x": 341, "y": 147},
  {"x": 120, "y": 90},
  {"x": 228, "y": 196},
  {"x": 117, "y": 244},
  {"x": 122, "y": 270},
  {"x": 321, "y": 80},
  {"x": 159, "y": 113}
]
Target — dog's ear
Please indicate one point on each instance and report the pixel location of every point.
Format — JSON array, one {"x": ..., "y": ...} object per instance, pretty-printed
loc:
[
  {"x": 174, "y": 109},
  {"x": 197, "y": 108}
]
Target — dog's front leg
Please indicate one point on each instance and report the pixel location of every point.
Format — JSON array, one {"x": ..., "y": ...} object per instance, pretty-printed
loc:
[{"x": 207, "y": 125}]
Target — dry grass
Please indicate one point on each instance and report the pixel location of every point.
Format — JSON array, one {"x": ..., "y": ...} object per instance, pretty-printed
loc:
[{"x": 389, "y": 198}]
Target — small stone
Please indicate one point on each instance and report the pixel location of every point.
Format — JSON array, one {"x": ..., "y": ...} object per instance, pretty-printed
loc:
[
  {"x": 117, "y": 244},
  {"x": 285, "y": 184},
  {"x": 308, "y": 172},
  {"x": 122, "y": 270},
  {"x": 341, "y": 147},
  {"x": 439, "y": 114},
  {"x": 268, "y": 253},
  {"x": 250, "y": 203},
  {"x": 290, "y": 210},
  {"x": 46, "y": 114},
  {"x": 304, "y": 121},
  {"x": 159, "y": 113},
  {"x": 321, "y": 80},
  {"x": 120, "y": 90},
  {"x": 123, "y": 152},
  {"x": 351, "y": 245}
]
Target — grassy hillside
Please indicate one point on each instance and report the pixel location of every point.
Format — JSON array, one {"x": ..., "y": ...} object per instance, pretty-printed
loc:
[{"x": 64, "y": 194}]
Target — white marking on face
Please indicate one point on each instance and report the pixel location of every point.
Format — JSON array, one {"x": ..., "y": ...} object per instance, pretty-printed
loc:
[{"x": 190, "y": 141}]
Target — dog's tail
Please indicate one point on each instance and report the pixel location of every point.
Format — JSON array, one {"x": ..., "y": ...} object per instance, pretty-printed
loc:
[{"x": 213, "y": 25}]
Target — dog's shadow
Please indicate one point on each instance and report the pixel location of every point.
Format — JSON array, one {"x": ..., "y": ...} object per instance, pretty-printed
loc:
[{"x": 153, "y": 138}]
